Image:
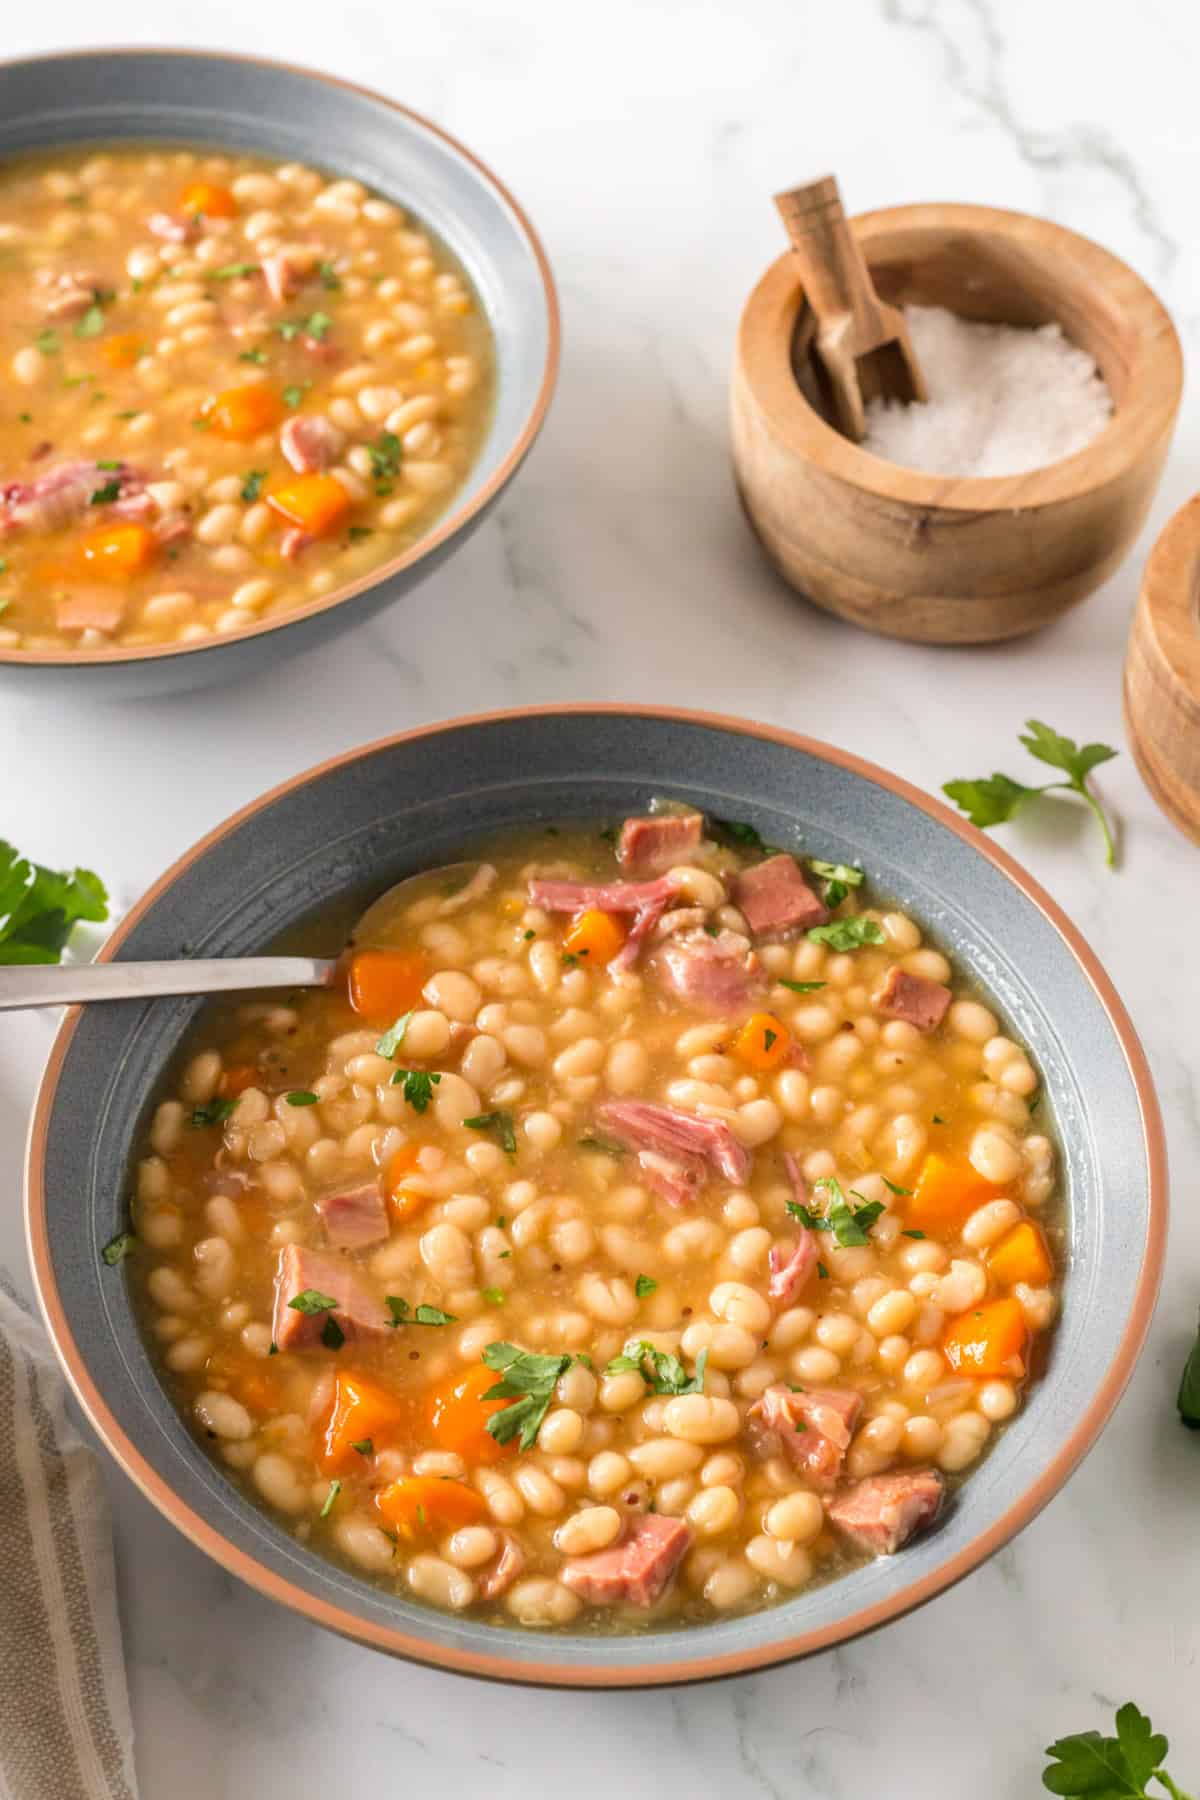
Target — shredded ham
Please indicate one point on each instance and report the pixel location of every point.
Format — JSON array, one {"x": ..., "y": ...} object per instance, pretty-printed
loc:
[{"x": 662, "y": 1129}]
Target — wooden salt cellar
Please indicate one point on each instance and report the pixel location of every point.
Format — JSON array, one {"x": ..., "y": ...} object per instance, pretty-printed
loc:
[
  {"x": 939, "y": 559},
  {"x": 1162, "y": 672}
]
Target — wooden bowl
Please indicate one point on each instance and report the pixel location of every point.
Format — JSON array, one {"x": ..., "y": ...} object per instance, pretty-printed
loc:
[
  {"x": 940, "y": 559},
  {"x": 1162, "y": 672}
]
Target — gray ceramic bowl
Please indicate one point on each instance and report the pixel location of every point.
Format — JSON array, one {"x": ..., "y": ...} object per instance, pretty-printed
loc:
[
  {"x": 366, "y": 819},
  {"x": 101, "y": 96}
]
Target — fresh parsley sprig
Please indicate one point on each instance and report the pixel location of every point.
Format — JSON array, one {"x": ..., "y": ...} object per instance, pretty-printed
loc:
[
  {"x": 527, "y": 1381},
  {"x": 850, "y": 1225},
  {"x": 847, "y": 934},
  {"x": 39, "y": 907},
  {"x": 1112, "y": 1768},
  {"x": 501, "y": 1123},
  {"x": 838, "y": 879},
  {"x": 991, "y": 800},
  {"x": 658, "y": 1369},
  {"x": 418, "y": 1085}
]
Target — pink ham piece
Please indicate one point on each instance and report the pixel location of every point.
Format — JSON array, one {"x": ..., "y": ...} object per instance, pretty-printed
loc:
[
  {"x": 812, "y": 1426},
  {"x": 639, "y": 1125},
  {"x": 677, "y": 1178},
  {"x": 172, "y": 228},
  {"x": 89, "y": 609},
  {"x": 63, "y": 494},
  {"x": 310, "y": 443},
  {"x": 499, "y": 1575},
  {"x": 67, "y": 295},
  {"x": 790, "y": 1266},
  {"x": 775, "y": 900},
  {"x": 172, "y": 528},
  {"x": 358, "y": 1312},
  {"x": 879, "y": 1515},
  {"x": 718, "y": 974},
  {"x": 295, "y": 540},
  {"x": 354, "y": 1217},
  {"x": 913, "y": 998},
  {"x": 646, "y": 900},
  {"x": 653, "y": 844},
  {"x": 285, "y": 271},
  {"x": 634, "y": 1572}
]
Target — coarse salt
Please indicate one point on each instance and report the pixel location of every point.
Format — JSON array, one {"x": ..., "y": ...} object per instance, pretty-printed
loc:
[{"x": 1002, "y": 399}]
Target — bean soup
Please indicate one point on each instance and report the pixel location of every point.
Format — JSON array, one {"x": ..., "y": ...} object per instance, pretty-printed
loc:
[
  {"x": 651, "y": 1226},
  {"x": 233, "y": 386}
]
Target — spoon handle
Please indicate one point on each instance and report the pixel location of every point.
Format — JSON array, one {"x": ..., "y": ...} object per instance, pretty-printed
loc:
[{"x": 39, "y": 984}]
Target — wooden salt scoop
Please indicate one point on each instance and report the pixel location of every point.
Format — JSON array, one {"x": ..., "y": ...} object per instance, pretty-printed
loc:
[{"x": 861, "y": 341}]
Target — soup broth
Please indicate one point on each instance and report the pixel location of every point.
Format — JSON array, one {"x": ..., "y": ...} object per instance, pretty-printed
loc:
[{"x": 653, "y": 1225}]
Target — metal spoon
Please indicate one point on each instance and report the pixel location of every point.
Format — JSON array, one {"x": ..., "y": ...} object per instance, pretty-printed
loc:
[{"x": 41, "y": 984}]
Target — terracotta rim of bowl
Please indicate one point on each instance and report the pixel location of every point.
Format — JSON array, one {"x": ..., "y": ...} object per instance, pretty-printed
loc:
[
  {"x": 444, "y": 528},
  {"x": 543, "y": 1671},
  {"x": 1153, "y": 391}
]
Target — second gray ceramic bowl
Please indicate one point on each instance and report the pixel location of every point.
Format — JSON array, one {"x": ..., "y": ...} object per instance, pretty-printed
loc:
[
  {"x": 194, "y": 97},
  {"x": 361, "y": 822}
]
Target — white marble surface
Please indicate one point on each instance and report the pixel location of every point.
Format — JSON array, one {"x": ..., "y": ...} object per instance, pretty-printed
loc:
[{"x": 646, "y": 138}]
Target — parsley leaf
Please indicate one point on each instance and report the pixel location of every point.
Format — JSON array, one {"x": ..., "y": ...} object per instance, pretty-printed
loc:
[
  {"x": 493, "y": 1296},
  {"x": 103, "y": 496},
  {"x": 252, "y": 486},
  {"x": 404, "y": 1314},
  {"x": 433, "y": 1315},
  {"x": 385, "y": 454},
  {"x": 213, "y": 1112},
  {"x": 393, "y": 1037},
  {"x": 118, "y": 1248},
  {"x": 991, "y": 800},
  {"x": 527, "y": 1381},
  {"x": 92, "y": 322},
  {"x": 317, "y": 325},
  {"x": 399, "y": 1309},
  {"x": 39, "y": 907},
  {"x": 645, "y": 1285},
  {"x": 499, "y": 1122},
  {"x": 301, "y": 1097},
  {"x": 335, "y": 1488},
  {"x": 748, "y": 837},
  {"x": 418, "y": 1086},
  {"x": 364, "y": 1446},
  {"x": 231, "y": 271},
  {"x": 839, "y": 878},
  {"x": 902, "y": 1193},
  {"x": 292, "y": 395},
  {"x": 252, "y": 356},
  {"x": 329, "y": 277},
  {"x": 1111, "y": 1768},
  {"x": 850, "y": 1225},
  {"x": 606, "y": 1146},
  {"x": 311, "y": 1302},
  {"x": 800, "y": 987},
  {"x": 332, "y": 1335},
  {"x": 810, "y": 1220},
  {"x": 658, "y": 1369},
  {"x": 847, "y": 934},
  {"x": 357, "y": 533},
  {"x": 912, "y": 1234},
  {"x": 48, "y": 342}
]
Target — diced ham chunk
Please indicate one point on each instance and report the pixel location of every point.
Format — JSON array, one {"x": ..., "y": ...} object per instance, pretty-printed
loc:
[
  {"x": 718, "y": 973},
  {"x": 642, "y": 1126},
  {"x": 790, "y": 1268},
  {"x": 651, "y": 845},
  {"x": 66, "y": 295},
  {"x": 499, "y": 1575},
  {"x": 358, "y": 1312},
  {"x": 354, "y": 1217},
  {"x": 89, "y": 609},
  {"x": 913, "y": 998},
  {"x": 286, "y": 270},
  {"x": 634, "y": 1572},
  {"x": 173, "y": 228},
  {"x": 881, "y": 1513},
  {"x": 603, "y": 896},
  {"x": 775, "y": 900},
  {"x": 62, "y": 494},
  {"x": 310, "y": 442},
  {"x": 811, "y": 1425}
]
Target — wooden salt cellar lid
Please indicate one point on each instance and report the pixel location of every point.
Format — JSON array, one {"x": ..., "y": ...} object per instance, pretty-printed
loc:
[{"x": 1162, "y": 672}]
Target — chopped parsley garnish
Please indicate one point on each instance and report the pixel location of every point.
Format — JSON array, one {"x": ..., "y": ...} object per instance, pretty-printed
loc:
[
  {"x": 330, "y": 279},
  {"x": 418, "y": 1086},
  {"x": 357, "y": 533},
  {"x": 494, "y": 1296},
  {"x": 104, "y": 496},
  {"x": 364, "y": 1446},
  {"x": 822, "y": 1272},
  {"x": 527, "y": 1381},
  {"x": 133, "y": 413},
  {"x": 252, "y": 486},
  {"x": 528, "y": 934},
  {"x": 317, "y": 325},
  {"x": 252, "y": 356},
  {"x": 737, "y": 831},
  {"x": 292, "y": 395},
  {"x": 335, "y": 1488},
  {"x": 301, "y": 1097},
  {"x": 658, "y": 1369},
  {"x": 311, "y": 1302},
  {"x": 231, "y": 271},
  {"x": 769, "y": 1038},
  {"x": 385, "y": 454},
  {"x": 990, "y": 800},
  {"x": 847, "y": 934},
  {"x": 850, "y": 1225},
  {"x": 912, "y": 1234},
  {"x": 48, "y": 342},
  {"x": 645, "y": 1285},
  {"x": 213, "y": 1112},
  {"x": 118, "y": 1248},
  {"x": 569, "y": 959},
  {"x": 838, "y": 878},
  {"x": 393, "y": 1037},
  {"x": 801, "y": 987},
  {"x": 404, "y": 1314},
  {"x": 107, "y": 466},
  {"x": 40, "y": 907},
  {"x": 891, "y": 1187},
  {"x": 606, "y": 1146},
  {"x": 91, "y": 324},
  {"x": 332, "y": 1335},
  {"x": 499, "y": 1122}
]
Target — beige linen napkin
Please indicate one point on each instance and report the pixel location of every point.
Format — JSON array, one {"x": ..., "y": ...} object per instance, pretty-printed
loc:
[{"x": 65, "y": 1729}]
